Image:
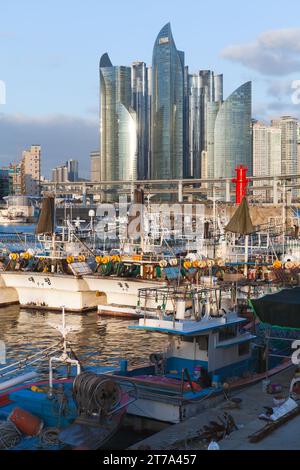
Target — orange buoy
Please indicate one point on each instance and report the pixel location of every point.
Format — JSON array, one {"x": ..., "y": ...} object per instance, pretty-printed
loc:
[{"x": 27, "y": 423}]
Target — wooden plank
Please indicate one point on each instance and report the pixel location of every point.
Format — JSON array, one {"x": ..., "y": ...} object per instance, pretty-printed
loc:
[{"x": 270, "y": 427}]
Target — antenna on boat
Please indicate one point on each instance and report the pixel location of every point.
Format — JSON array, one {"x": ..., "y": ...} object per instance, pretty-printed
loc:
[{"x": 64, "y": 358}]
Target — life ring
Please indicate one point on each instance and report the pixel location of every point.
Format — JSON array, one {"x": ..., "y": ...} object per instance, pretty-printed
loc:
[{"x": 70, "y": 259}]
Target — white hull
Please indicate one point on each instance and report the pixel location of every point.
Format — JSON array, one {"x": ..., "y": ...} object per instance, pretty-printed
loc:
[
  {"x": 157, "y": 410},
  {"x": 8, "y": 295},
  {"x": 121, "y": 291},
  {"x": 51, "y": 291}
]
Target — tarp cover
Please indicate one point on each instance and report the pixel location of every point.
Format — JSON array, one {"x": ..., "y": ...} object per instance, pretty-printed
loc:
[
  {"x": 280, "y": 309},
  {"x": 241, "y": 222},
  {"x": 46, "y": 219}
]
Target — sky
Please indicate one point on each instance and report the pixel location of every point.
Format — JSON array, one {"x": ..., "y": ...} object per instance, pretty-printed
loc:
[{"x": 50, "y": 51}]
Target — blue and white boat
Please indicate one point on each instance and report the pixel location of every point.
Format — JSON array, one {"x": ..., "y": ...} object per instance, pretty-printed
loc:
[
  {"x": 207, "y": 350},
  {"x": 61, "y": 407}
]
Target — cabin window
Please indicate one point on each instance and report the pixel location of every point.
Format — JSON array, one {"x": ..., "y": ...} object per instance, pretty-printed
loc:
[
  {"x": 244, "y": 349},
  {"x": 203, "y": 342},
  {"x": 187, "y": 339},
  {"x": 227, "y": 332}
]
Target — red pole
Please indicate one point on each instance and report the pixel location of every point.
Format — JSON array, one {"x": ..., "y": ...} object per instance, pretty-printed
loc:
[{"x": 241, "y": 183}]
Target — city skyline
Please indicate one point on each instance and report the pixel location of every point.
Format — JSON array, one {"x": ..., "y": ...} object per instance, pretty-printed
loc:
[{"x": 58, "y": 121}]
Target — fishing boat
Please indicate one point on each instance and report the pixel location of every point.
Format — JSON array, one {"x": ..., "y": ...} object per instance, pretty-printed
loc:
[
  {"x": 65, "y": 407},
  {"x": 207, "y": 351}
]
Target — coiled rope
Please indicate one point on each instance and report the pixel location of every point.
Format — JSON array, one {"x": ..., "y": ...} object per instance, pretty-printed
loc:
[
  {"x": 95, "y": 394},
  {"x": 10, "y": 436}
]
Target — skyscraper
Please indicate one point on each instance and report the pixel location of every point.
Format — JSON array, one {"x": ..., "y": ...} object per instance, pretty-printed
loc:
[
  {"x": 167, "y": 149},
  {"x": 140, "y": 98},
  {"x": 206, "y": 97},
  {"x": 118, "y": 132},
  {"x": 232, "y": 136},
  {"x": 72, "y": 167}
]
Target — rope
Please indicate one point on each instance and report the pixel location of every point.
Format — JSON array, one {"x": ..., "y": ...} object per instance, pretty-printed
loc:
[
  {"x": 49, "y": 436},
  {"x": 10, "y": 436}
]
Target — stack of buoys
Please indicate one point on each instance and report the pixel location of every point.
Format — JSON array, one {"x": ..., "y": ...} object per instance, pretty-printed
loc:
[
  {"x": 277, "y": 264},
  {"x": 187, "y": 264},
  {"x": 14, "y": 256},
  {"x": 115, "y": 259},
  {"x": 26, "y": 255},
  {"x": 173, "y": 262},
  {"x": 289, "y": 265},
  {"x": 163, "y": 263}
]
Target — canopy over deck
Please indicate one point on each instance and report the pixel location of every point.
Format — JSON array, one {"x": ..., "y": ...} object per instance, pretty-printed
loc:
[
  {"x": 281, "y": 309},
  {"x": 186, "y": 327}
]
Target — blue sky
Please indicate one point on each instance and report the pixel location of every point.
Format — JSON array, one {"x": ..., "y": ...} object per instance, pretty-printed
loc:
[{"x": 49, "y": 55}]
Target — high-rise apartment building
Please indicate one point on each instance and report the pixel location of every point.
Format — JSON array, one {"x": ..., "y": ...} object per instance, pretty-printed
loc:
[
  {"x": 95, "y": 161},
  {"x": 167, "y": 149},
  {"x": 289, "y": 145},
  {"x": 118, "y": 126},
  {"x": 31, "y": 171}
]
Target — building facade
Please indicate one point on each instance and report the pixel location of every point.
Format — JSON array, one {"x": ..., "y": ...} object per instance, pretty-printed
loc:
[
  {"x": 95, "y": 166},
  {"x": 233, "y": 133},
  {"x": 167, "y": 149},
  {"x": 140, "y": 103},
  {"x": 118, "y": 126},
  {"x": 31, "y": 171}
]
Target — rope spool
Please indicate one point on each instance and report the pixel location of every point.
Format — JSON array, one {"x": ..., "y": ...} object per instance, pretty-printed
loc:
[{"x": 96, "y": 394}]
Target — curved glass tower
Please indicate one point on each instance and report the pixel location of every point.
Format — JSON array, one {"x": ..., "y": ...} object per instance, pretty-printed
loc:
[
  {"x": 232, "y": 136},
  {"x": 118, "y": 131},
  {"x": 167, "y": 107}
]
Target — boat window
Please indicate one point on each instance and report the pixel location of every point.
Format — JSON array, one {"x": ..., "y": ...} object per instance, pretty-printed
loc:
[
  {"x": 187, "y": 339},
  {"x": 244, "y": 349},
  {"x": 203, "y": 342},
  {"x": 227, "y": 332}
]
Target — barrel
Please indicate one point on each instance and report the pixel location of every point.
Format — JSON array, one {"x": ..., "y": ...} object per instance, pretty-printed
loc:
[{"x": 25, "y": 422}]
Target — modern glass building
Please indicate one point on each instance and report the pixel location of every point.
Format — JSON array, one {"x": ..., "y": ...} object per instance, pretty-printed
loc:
[
  {"x": 206, "y": 96},
  {"x": 167, "y": 149},
  {"x": 233, "y": 134},
  {"x": 118, "y": 133},
  {"x": 141, "y": 105}
]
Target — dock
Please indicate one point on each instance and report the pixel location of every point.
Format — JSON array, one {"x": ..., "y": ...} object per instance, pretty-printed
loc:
[{"x": 185, "y": 435}]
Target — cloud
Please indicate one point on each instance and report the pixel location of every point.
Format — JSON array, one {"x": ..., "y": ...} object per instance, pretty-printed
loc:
[
  {"x": 275, "y": 52},
  {"x": 61, "y": 137}
]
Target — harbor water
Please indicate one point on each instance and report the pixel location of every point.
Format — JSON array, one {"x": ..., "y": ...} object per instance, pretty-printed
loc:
[{"x": 95, "y": 340}]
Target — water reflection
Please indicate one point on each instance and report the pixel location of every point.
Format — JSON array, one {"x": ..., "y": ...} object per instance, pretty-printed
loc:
[{"x": 93, "y": 338}]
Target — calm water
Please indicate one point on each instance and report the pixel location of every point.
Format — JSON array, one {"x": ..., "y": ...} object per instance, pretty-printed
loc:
[{"x": 94, "y": 338}]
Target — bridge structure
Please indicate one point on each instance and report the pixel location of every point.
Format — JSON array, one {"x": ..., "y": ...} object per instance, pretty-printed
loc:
[{"x": 267, "y": 189}]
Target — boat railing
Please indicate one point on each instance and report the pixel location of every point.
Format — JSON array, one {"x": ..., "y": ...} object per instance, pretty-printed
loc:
[
  {"x": 32, "y": 359},
  {"x": 180, "y": 302}
]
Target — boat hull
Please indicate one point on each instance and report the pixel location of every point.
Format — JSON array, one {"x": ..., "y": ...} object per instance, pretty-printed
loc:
[
  {"x": 46, "y": 291},
  {"x": 120, "y": 295},
  {"x": 8, "y": 295}
]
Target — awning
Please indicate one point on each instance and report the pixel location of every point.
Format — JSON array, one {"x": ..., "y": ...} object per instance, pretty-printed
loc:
[{"x": 281, "y": 309}]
